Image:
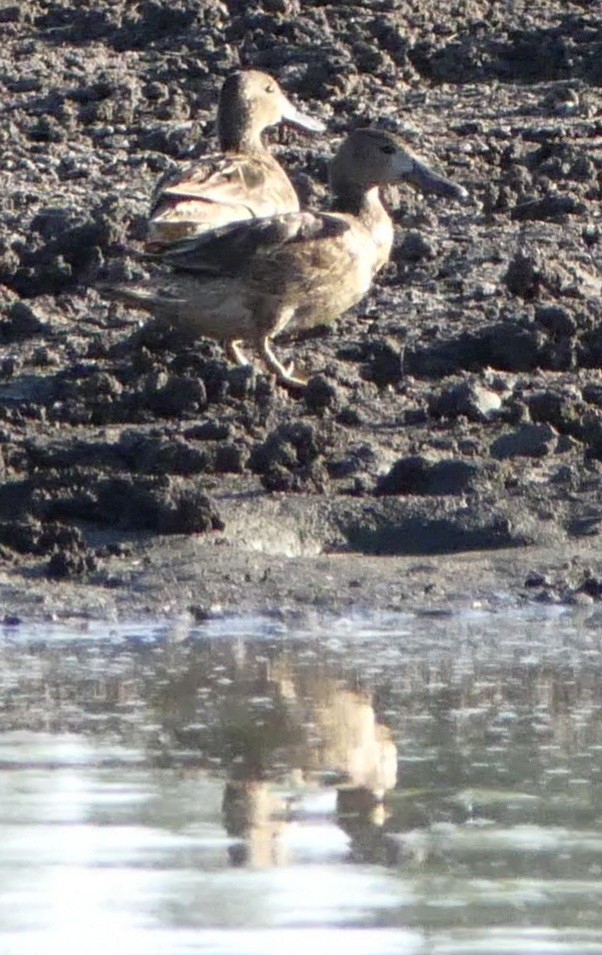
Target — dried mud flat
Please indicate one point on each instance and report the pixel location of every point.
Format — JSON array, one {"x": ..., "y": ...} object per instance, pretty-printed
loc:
[{"x": 449, "y": 444}]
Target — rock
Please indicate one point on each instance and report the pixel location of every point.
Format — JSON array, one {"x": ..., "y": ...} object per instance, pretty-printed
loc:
[
  {"x": 350, "y": 416},
  {"x": 592, "y": 392},
  {"x": 561, "y": 100},
  {"x": 531, "y": 440},
  {"x": 523, "y": 275},
  {"x": 418, "y": 475},
  {"x": 189, "y": 511},
  {"x": 550, "y": 207},
  {"x": 556, "y": 319},
  {"x": 321, "y": 394},
  {"x": 230, "y": 458},
  {"x": 176, "y": 395},
  {"x": 469, "y": 399},
  {"x": 485, "y": 290},
  {"x": 209, "y": 431},
  {"x": 150, "y": 454},
  {"x": 394, "y": 526},
  {"x": 414, "y": 247},
  {"x": 242, "y": 381},
  {"x": 21, "y": 536},
  {"x": 592, "y": 586},
  {"x": 535, "y": 579},
  {"x": 290, "y": 459},
  {"x": 67, "y": 564},
  {"x": 21, "y": 322},
  {"x": 590, "y": 234},
  {"x": 383, "y": 361}
]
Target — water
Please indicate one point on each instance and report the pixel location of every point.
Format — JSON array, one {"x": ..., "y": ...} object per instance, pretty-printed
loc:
[{"x": 408, "y": 784}]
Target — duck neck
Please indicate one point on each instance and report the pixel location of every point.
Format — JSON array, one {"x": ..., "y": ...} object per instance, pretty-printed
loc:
[
  {"x": 239, "y": 133},
  {"x": 366, "y": 206}
]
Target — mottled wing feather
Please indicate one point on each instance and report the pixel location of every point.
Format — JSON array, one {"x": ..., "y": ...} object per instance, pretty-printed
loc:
[
  {"x": 311, "y": 283},
  {"x": 235, "y": 249},
  {"x": 228, "y": 180}
]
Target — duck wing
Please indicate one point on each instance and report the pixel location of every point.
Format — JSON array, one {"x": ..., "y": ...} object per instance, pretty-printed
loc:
[
  {"x": 253, "y": 181},
  {"x": 238, "y": 248}
]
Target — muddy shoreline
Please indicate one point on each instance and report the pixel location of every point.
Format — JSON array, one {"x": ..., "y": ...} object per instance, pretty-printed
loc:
[{"x": 448, "y": 448}]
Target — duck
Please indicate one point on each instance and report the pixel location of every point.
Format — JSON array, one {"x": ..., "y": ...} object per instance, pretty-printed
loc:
[
  {"x": 242, "y": 181},
  {"x": 245, "y": 282}
]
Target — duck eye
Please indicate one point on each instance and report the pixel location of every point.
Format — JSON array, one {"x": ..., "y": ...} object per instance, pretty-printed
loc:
[
  {"x": 388, "y": 149},
  {"x": 269, "y": 89}
]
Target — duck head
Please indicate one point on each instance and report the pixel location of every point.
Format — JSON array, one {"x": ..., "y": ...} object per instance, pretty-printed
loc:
[
  {"x": 369, "y": 158},
  {"x": 249, "y": 102}
]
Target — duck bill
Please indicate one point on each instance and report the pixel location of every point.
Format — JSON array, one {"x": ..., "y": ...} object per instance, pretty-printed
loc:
[
  {"x": 290, "y": 114},
  {"x": 427, "y": 180}
]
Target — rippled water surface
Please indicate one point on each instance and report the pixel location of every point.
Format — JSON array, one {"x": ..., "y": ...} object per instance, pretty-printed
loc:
[{"x": 412, "y": 784}]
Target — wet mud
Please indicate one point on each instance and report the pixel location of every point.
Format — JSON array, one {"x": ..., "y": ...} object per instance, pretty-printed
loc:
[{"x": 456, "y": 412}]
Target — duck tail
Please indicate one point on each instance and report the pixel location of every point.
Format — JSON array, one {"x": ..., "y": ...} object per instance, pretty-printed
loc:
[{"x": 134, "y": 296}]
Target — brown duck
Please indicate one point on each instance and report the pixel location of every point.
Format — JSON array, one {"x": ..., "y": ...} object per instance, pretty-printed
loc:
[
  {"x": 246, "y": 282},
  {"x": 243, "y": 181}
]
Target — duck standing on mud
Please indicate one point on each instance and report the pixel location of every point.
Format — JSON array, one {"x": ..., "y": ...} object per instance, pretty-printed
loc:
[
  {"x": 247, "y": 281},
  {"x": 243, "y": 181}
]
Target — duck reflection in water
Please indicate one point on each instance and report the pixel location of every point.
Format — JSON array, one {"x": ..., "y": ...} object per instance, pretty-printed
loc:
[{"x": 315, "y": 732}]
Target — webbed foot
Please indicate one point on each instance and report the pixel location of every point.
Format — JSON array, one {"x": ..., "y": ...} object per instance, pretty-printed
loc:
[
  {"x": 284, "y": 373},
  {"x": 236, "y": 354}
]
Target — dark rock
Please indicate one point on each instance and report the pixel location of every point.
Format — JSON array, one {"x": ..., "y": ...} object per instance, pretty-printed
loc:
[
  {"x": 148, "y": 454},
  {"x": 8, "y": 367},
  {"x": 469, "y": 399},
  {"x": 163, "y": 504},
  {"x": 587, "y": 525},
  {"x": 209, "y": 431},
  {"x": 21, "y": 323},
  {"x": 592, "y": 586},
  {"x": 591, "y": 235},
  {"x": 550, "y": 207},
  {"x": 21, "y": 536},
  {"x": 592, "y": 392},
  {"x": 360, "y": 458},
  {"x": 321, "y": 395},
  {"x": 242, "y": 381},
  {"x": 535, "y": 579},
  {"x": 12, "y": 13},
  {"x": 531, "y": 440},
  {"x": 549, "y": 406},
  {"x": 68, "y": 564},
  {"x": 176, "y": 143},
  {"x": 11, "y": 620},
  {"x": 176, "y": 395},
  {"x": 523, "y": 275},
  {"x": 383, "y": 361},
  {"x": 189, "y": 511},
  {"x": 290, "y": 459},
  {"x": 556, "y": 319},
  {"x": 350, "y": 416},
  {"x": 414, "y": 247},
  {"x": 418, "y": 475},
  {"x": 393, "y": 528},
  {"x": 514, "y": 344},
  {"x": 70, "y": 555},
  {"x": 230, "y": 459}
]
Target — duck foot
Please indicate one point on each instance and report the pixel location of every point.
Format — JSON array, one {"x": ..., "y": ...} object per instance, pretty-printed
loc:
[
  {"x": 284, "y": 373},
  {"x": 236, "y": 354}
]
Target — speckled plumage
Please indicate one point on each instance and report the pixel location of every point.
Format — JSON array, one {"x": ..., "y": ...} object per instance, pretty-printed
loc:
[{"x": 243, "y": 181}]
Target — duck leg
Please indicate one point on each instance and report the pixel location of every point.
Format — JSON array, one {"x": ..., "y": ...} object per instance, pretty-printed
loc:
[
  {"x": 283, "y": 373},
  {"x": 235, "y": 353}
]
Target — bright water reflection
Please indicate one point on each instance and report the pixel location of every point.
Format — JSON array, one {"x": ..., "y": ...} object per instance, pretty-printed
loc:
[{"x": 424, "y": 785}]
